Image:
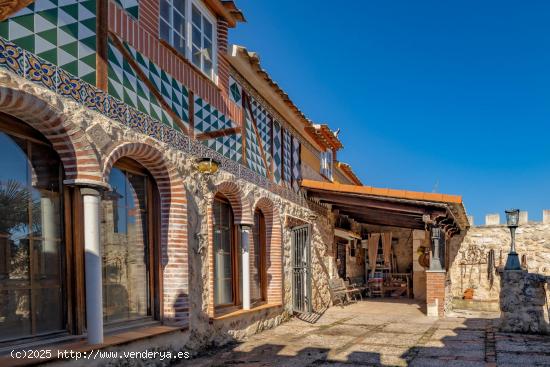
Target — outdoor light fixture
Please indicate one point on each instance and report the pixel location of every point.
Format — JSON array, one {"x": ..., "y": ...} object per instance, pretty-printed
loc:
[
  {"x": 512, "y": 220},
  {"x": 207, "y": 165},
  {"x": 435, "y": 263}
]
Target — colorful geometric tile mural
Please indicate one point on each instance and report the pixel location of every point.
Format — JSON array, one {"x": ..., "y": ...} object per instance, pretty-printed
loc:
[
  {"x": 131, "y": 6},
  {"x": 263, "y": 123},
  {"x": 296, "y": 163},
  {"x": 287, "y": 157},
  {"x": 207, "y": 119},
  {"x": 235, "y": 91},
  {"x": 253, "y": 154},
  {"x": 61, "y": 32},
  {"x": 277, "y": 151},
  {"x": 125, "y": 85}
]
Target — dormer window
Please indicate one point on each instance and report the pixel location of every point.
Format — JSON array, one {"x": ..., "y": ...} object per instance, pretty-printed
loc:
[
  {"x": 190, "y": 29},
  {"x": 327, "y": 164}
]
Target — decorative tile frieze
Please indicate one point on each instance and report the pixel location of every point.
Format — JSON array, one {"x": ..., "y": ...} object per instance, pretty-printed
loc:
[
  {"x": 11, "y": 57},
  {"x": 40, "y": 71}
]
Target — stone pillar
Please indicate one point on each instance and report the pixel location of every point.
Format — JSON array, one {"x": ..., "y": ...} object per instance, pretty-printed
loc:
[
  {"x": 245, "y": 244},
  {"x": 419, "y": 273},
  {"x": 546, "y": 216},
  {"x": 523, "y": 302},
  {"x": 435, "y": 292},
  {"x": 94, "y": 293}
]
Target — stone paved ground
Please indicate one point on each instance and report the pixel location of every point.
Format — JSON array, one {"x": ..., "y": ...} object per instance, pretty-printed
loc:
[{"x": 380, "y": 333}]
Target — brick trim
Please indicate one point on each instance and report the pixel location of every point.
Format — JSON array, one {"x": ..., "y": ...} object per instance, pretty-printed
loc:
[
  {"x": 242, "y": 214},
  {"x": 79, "y": 158},
  {"x": 274, "y": 250},
  {"x": 241, "y": 207},
  {"x": 435, "y": 289},
  {"x": 173, "y": 231}
]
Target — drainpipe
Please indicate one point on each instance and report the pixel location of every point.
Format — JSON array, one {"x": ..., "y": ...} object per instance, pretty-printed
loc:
[
  {"x": 94, "y": 294},
  {"x": 245, "y": 245}
]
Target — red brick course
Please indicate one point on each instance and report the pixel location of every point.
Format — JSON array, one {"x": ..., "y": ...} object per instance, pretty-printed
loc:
[
  {"x": 274, "y": 250},
  {"x": 79, "y": 159},
  {"x": 435, "y": 289}
]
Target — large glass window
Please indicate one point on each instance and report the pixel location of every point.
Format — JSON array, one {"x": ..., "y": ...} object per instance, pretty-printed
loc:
[
  {"x": 188, "y": 27},
  {"x": 172, "y": 23},
  {"x": 257, "y": 268},
  {"x": 225, "y": 253},
  {"x": 31, "y": 289},
  {"x": 126, "y": 251},
  {"x": 202, "y": 36}
]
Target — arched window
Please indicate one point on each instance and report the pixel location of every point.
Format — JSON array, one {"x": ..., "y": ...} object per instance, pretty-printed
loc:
[
  {"x": 227, "y": 288},
  {"x": 258, "y": 256},
  {"x": 127, "y": 244},
  {"x": 31, "y": 236}
]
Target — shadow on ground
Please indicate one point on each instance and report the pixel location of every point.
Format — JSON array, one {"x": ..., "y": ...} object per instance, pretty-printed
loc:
[{"x": 383, "y": 333}]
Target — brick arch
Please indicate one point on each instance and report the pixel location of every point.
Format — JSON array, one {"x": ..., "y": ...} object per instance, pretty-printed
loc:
[
  {"x": 173, "y": 222},
  {"x": 274, "y": 250},
  {"x": 239, "y": 203},
  {"x": 79, "y": 158}
]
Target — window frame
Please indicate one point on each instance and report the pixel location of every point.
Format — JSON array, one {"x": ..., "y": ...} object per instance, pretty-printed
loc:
[
  {"x": 220, "y": 309},
  {"x": 327, "y": 164},
  {"x": 153, "y": 243},
  {"x": 12, "y": 126},
  {"x": 188, "y": 36}
]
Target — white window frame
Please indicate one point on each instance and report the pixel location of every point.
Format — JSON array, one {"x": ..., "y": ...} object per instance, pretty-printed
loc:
[
  {"x": 327, "y": 164},
  {"x": 188, "y": 36}
]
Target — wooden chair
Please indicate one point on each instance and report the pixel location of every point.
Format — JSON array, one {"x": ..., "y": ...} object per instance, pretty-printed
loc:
[
  {"x": 339, "y": 292},
  {"x": 353, "y": 290}
]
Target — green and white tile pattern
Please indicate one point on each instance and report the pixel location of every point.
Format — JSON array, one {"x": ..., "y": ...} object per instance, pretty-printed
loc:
[
  {"x": 277, "y": 157},
  {"x": 125, "y": 85},
  {"x": 253, "y": 155},
  {"x": 62, "y": 32},
  {"x": 208, "y": 119},
  {"x": 263, "y": 123},
  {"x": 235, "y": 91},
  {"x": 131, "y": 6},
  {"x": 287, "y": 157}
]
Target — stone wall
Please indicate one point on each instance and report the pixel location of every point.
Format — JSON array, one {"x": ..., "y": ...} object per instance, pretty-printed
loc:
[
  {"x": 523, "y": 303},
  {"x": 469, "y": 268},
  {"x": 187, "y": 196}
]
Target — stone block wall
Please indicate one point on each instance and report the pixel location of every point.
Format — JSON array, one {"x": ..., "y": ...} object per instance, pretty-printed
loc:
[
  {"x": 523, "y": 303},
  {"x": 468, "y": 259}
]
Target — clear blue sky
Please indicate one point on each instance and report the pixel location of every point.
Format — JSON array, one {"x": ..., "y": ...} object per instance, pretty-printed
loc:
[{"x": 446, "y": 96}]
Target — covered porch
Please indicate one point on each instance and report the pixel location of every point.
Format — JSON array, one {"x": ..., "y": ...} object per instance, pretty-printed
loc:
[{"x": 393, "y": 243}]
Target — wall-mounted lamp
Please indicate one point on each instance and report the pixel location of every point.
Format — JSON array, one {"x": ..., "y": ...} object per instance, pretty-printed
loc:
[{"x": 207, "y": 165}]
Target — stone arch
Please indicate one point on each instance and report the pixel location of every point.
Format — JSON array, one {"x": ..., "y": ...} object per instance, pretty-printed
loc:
[
  {"x": 239, "y": 203},
  {"x": 173, "y": 223},
  {"x": 79, "y": 158},
  {"x": 274, "y": 250}
]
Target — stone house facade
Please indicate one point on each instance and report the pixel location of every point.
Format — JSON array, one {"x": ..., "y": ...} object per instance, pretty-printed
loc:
[
  {"x": 132, "y": 238},
  {"x": 157, "y": 183}
]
